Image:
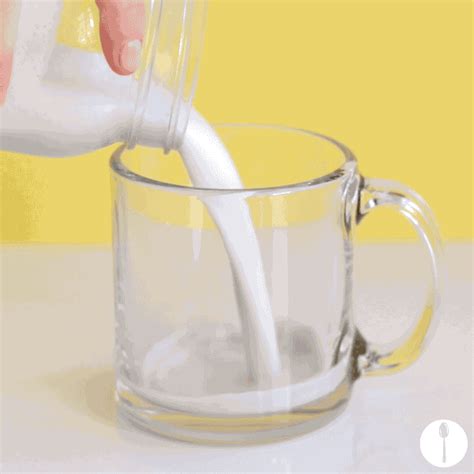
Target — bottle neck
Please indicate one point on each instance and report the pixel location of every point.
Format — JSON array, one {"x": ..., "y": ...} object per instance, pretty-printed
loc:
[{"x": 170, "y": 54}]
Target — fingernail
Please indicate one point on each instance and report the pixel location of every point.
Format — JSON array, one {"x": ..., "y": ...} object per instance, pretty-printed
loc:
[{"x": 130, "y": 55}]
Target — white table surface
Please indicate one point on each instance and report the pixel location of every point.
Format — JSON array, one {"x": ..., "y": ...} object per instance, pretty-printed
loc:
[{"x": 58, "y": 413}]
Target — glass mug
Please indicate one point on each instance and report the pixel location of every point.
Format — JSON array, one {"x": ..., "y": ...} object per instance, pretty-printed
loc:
[{"x": 180, "y": 353}]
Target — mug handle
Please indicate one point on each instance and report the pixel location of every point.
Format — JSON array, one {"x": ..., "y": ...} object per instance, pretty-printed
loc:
[{"x": 381, "y": 359}]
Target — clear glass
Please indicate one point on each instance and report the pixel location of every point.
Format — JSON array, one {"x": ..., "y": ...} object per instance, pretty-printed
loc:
[{"x": 180, "y": 352}]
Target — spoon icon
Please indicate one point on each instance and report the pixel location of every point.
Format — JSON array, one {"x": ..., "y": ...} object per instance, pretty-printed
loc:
[{"x": 443, "y": 432}]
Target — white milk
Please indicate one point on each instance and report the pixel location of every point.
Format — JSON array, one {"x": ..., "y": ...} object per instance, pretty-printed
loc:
[
  {"x": 209, "y": 165},
  {"x": 176, "y": 372}
]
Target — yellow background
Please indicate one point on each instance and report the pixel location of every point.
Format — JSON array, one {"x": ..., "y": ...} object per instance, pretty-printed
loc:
[{"x": 391, "y": 79}]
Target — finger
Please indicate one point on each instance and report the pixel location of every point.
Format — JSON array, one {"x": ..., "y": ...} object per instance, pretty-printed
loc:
[
  {"x": 9, "y": 18},
  {"x": 6, "y": 62},
  {"x": 122, "y": 23}
]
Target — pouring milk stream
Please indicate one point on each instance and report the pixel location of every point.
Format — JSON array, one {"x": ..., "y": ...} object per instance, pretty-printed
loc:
[{"x": 65, "y": 101}]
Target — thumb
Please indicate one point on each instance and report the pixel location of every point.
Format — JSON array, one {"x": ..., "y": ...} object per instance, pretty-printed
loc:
[{"x": 122, "y": 24}]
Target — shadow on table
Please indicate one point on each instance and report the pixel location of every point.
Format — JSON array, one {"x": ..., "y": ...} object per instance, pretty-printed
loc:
[
  {"x": 90, "y": 392},
  {"x": 86, "y": 390}
]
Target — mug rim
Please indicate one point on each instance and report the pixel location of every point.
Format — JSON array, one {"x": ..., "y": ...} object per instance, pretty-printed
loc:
[{"x": 349, "y": 164}]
